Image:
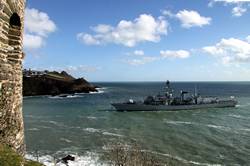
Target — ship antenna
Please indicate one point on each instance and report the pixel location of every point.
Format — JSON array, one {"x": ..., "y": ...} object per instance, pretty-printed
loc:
[
  {"x": 168, "y": 92},
  {"x": 195, "y": 94},
  {"x": 195, "y": 91}
]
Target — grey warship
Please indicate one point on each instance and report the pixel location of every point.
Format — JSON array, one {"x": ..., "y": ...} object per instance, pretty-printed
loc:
[{"x": 168, "y": 102}]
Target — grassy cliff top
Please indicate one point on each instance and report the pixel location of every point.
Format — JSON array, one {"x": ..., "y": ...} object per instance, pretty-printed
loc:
[
  {"x": 63, "y": 76},
  {"x": 9, "y": 158}
]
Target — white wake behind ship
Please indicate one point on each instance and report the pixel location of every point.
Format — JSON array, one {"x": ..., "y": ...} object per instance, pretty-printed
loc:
[{"x": 168, "y": 102}]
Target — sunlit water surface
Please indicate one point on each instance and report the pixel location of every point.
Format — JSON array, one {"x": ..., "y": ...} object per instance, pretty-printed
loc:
[{"x": 83, "y": 125}]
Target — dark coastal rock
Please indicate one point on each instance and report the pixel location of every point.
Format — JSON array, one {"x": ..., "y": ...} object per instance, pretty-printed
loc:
[
  {"x": 55, "y": 83},
  {"x": 68, "y": 158}
]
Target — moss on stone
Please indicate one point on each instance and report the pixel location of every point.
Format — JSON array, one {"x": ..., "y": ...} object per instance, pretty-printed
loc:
[
  {"x": 32, "y": 163},
  {"x": 10, "y": 158}
]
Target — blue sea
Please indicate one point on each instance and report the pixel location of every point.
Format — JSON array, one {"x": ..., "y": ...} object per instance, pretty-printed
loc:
[{"x": 85, "y": 124}]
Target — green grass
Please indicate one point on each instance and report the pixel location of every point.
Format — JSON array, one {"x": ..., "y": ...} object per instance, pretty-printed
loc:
[
  {"x": 58, "y": 77},
  {"x": 55, "y": 76},
  {"x": 32, "y": 163},
  {"x": 9, "y": 158}
]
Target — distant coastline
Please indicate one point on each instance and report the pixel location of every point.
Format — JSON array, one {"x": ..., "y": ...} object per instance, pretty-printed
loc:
[{"x": 39, "y": 83}]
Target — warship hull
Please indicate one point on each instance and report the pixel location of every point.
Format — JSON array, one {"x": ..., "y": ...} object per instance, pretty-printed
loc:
[{"x": 145, "y": 107}]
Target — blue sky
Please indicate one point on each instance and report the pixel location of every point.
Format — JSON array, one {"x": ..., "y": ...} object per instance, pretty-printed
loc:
[{"x": 140, "y": 40}]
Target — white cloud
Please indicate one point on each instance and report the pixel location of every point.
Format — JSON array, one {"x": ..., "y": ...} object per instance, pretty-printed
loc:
[
  {"x": 141, "y": 61},
  {"x": 175, "y": 54},
  {"x": 87, "y": 39},
  {"x": 81, "y": 68},
  {"x": 38, "y": 26},
  {"x": 167, "y": 13},
  {"x": 239, "y": 8},
  {"x": 38, "y": 22},
  {"x": 238, "y": 11},
  {"x": 192, "y": 19},
  {"x": 231, "y": 1},
  {"x": 102, "y": 28},
  {"x": 213, "y": 50},
  {"x": 230, "y": 50},
  {"x": 139, "y": 52},
  {"x": 139, "y": 58},
  {"x": 145, "y": 28},
  {"x": 248, "y": 38},
  {"x": 33, "y": 41}
]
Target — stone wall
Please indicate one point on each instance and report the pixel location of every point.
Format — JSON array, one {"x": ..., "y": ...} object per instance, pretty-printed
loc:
[{"x": 11, "y": 55}]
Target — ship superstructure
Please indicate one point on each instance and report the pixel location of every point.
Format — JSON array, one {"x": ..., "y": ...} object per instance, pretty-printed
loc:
[{"x": 168, "y": 101}]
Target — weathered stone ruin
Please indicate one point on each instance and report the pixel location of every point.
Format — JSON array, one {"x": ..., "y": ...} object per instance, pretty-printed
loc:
[{"x": 11, "y": 55}]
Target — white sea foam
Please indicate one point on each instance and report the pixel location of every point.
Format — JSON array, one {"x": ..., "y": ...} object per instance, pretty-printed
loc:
[
  {"x": 91, "y": 117},
  {"x": 236, "y": 116},
  {"x": 99, "y": 92},
  {"x": 45, "y": 127},
  {"x": 33, "y": 129},
  {"x": 92, "y": 130},
  {"x": 67, "y": 97},
  {"x": 59, "y": 124},
  {"x": 65, "y": 140},
  {"x": 53, "y": 122},
  {"x": 219, "y": 127},
  {"x": 112, "y": 134},
  {"x": 238, "y": 105},
  {"x": 224, "y": 128},
  {"x": 248, "y": 130},
  {"x": 243, "y": 105},
  {"x": 181, "y": 159},
  {"x": 177, "y": 122},
  {"x": 90, "y": 159},
  {"x": 103, "y": 88}
]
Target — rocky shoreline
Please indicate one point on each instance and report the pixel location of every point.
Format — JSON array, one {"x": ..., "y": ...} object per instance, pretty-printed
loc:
[{"x": 54, "y": 83}]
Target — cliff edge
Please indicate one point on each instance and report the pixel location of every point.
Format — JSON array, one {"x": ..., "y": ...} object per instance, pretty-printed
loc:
[{"x": 54, "y": 83}]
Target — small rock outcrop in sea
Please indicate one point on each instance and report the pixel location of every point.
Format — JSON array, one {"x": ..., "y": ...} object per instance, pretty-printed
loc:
[
  {"x": 67, "y": 159},
  {"x": 37, "y": 83}
]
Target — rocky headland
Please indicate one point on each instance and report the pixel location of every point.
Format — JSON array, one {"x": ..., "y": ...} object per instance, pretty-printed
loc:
[{"x": 36, "y": 83}]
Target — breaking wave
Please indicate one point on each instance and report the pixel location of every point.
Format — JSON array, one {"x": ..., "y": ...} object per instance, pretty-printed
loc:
[
  {"x": 33, "y": 129},
  {"x": 248, "y": 130},
  {"x": 99, "y": 92},
  {"x": 65, "y": 97},
  {"x": 91, "y": 117},
  {"x": 181, "y": 159},
  {"x": 177, "y": 122},
  {"x": 90, "y": 159},
  {"x": 236, "y": 116},
  {"x": 65, "y": 140},
  {"x": 93, "y": 130},
  {"x": 219, "y": 127},
  {"x": 112, "y": 134}
]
